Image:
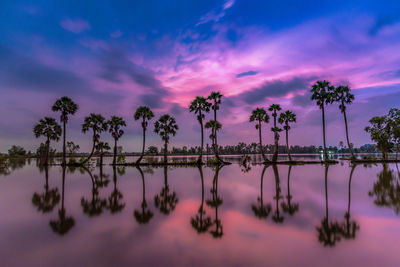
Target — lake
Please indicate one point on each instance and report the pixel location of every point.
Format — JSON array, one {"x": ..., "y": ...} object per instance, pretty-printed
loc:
[{"x": 340, "y": 215}]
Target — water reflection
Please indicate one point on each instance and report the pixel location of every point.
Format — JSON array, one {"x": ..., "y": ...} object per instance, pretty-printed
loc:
[
  {"x": 260, "y": 210},
  {"x": 289, "y": 207},
  {"x": 96, "y": 205},
  {"x": 215, "y": 202},
  {"x": 46, "y": 201},
  {"x": 144, "y": 215},
  {"x": 350, "y": 227},
  {"x": 201, "y": 222},
  {"x": 64, "y": 223},
  {"x": 115, "y": 200},
  {"x": 166, "y": 201},
  {"x": 277, "y": 217}
]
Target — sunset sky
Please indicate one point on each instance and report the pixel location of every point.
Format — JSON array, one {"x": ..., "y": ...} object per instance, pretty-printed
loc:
[{"x": 112, "y": 56}]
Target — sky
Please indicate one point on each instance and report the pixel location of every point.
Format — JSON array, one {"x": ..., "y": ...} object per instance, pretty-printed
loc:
[{"x": 112, "y": 56}]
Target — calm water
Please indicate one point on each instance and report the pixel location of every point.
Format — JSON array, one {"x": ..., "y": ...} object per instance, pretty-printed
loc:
[{"x": 190, "y": 217}]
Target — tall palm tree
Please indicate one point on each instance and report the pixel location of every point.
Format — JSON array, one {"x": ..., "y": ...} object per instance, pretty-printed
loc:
[
  {"x": 115, "y": 124},
  {"x": 145, "y": 215},
  {"x": 277, "y": 217},
  {"x": 274, "y": 108},
  {"x": 166, "y": 201},
  {"x": 49, "y": 128},
  {"x": 98, "y": 124},
  {"x": 322, "y": 93},
  {"x": 145, "y": 114},
  {"x": 200, "y": 106},
  {"x": 67, "y": 107},
  {"x": 215, "y": 98},
  {"x": 201, "y": 222},
  {"x": 260, "y": 210},
  {"x": 289, "y": 207},
  {"x": 260, "y": 115},
  {"x": 164, "y": 127},
  {"x": 343, "y": 95},
  {"x": 286, "y": 118},
  {"x": 101, "y": 147},
  {"x": 46, "y": 201}
]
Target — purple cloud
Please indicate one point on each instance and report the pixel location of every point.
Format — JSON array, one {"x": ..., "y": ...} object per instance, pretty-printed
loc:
[{"x": 75, "y": 25}]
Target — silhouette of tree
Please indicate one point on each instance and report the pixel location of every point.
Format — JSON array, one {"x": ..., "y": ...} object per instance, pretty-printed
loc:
[
  {"x": 329, "y": 232},
  {"x": 381, "y": 132},
  {"x": 97, "y": 123},
  {"x": 64, "y": 223},
  {"x": 260, "y": 210},
  {"x": 49, "y": 128},
  {"x": 66, "y": 106},
  {"x": 145, "y": 114},
  {"x": 214, "y": 126},
  {"x": 260, "y": 115},
  {"x": 101, "y": 147},
  {"x": 286, "y": 118},
  {"x": 343, "y": 95},
  {"x": 274, "y": 108},
  {"x": 46, "y": 201},
  {"x": 201, "y": 222},
  {"x": 289, "y": 207},
  {"x": 144, "y": 216},
  {"x": 96, "y": 205},
  {"x": 200, "y": 106},
  {"x": 115, "y": 124},
  {"x": 394, "y": 124},
  {"x": 322, "y": 92},
  {"x": 115, "y": 200},
  {"x": 166, "y": 201},
  {"x": 215, "y": 202},
  {"x": 277, "y": 217},
  {"x": 164, "y": 127}
]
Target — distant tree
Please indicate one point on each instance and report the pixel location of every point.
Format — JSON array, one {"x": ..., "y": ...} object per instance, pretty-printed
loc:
[
  {"x": 115, "y": 124},
  {"x": 72, "y": 148},
  {"x": 98, "y": 124},
  {"x": 286, "y": 118},
  {"x": 51, "y": 130},
  {"x": 16, "y": 151},
  {"x": 260, "y": 115},
  {"x": 66, "y": 106},
  {"x": 394, "y": 124},
  {"x": 381, "y": 133},
  {"x": 200, "y": 106},
  {"x": 322, "y": 93},
  {"x": 343, "y": 95},
  {"x": 145, "y": 114},
  {"x": 164, "y": 127},
  {"x": 274, "y": 108},
  {"x": 152, "y": 150},
  {"x": 102, "y": 147}
]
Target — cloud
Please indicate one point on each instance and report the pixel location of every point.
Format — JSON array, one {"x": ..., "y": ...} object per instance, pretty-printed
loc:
[
  {"x": 116, "y": 34},
  {"x": 381, "y": 23},
  {"x": 75, "y": 25},
  {"x": 216, "y": 14},
  {"x": 246, "y": 73}
]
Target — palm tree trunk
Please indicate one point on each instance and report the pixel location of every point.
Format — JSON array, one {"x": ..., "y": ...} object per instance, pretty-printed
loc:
[
  {"x": 326, "y": 193},
  {"x": 46, "y": 162},
  {"x": 115, "y": 151},
  {"x": 347, "y": 134},
  {"x": 397, "y": 151},
  {"x": 289, "y": 197},
  {"x": 101, "y": 157},
  {"x": 323, "y": 132},
  {"x": 165, "y": 151},
  {"x": 64, "y": 161},
  {"x": 200, "y": 160},
  {"x": 287, "y": 145},
  {"x": 276, "y": 139},
  {"x": 144, "y": 143},
  {"x": 261, "y": 145},
  {"x": 91, "y": 152}
]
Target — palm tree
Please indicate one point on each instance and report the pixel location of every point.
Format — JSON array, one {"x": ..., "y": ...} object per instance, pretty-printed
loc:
[
  {"x": 49, "y": 128},
  {"x": 260, "y": 210},
  {"x": 166, "y": 201},
  {"x": 98, "y": 124},
  {"x": 215, "y": 202},
  {"x": 274, "y": 108},
  {"x": 165, "y": 126},
  {"x": 277, "y": 217},
  {"x": 115, "y": 200},
  {"x": 200, "y": 106},
  {"x": 96, "y": 205},
  {"x": 64, "y": 222},
  {"x": 286, "y": 118},
  {"x": 67, "y": 107},
  {"x": 198, "y": 222},
  {"x": 101, "y": 147},
  {"x": 260, "y": 115},
  {"x": 145, "y": 215},
  {"x": 215, "y": 98},
  {"x": 343, "y": 95},
  {"x": 46, "y": 201},
  {"x": 145, "y": 114},
  {"x": 289, "y": 207},
  {"x": 115, "y": 124},
  {"x": 322, "y": 92}
]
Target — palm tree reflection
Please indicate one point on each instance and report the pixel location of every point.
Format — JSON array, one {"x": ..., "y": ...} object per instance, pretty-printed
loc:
[
  {"x": 145, "y": 215},
  {"x": 115, "y": 200},
  {"x": 199, "y": 222},
  {"x": 289, "y": 207},
  {"x": 350, "y": 228},
  {"x": 329, "y": 231},
  {"x": 215, "y": 202},
  {"x": 64, "y": 222},
  {"x": 260, "y": 210},
  {"x": 96, "y": 205},
  {"x": 166, "y": 201},
  {"x": 277, "y": 217},
  {"x": 46, "y": 201}
]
